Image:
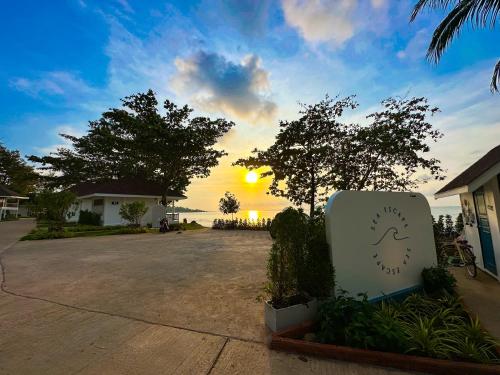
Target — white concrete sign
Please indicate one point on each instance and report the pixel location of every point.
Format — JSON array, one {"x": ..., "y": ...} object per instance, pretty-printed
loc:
[{"x": 379, "y": 241}]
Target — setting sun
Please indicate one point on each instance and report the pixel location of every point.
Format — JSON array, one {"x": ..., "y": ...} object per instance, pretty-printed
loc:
[{"x": 251, "y": 177}]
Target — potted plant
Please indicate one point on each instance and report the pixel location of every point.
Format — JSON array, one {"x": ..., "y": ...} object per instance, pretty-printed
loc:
[{"x": 298, "y": 270}]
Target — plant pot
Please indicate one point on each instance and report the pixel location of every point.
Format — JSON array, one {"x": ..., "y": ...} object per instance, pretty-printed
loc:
[{"x": 279, "y": 319}]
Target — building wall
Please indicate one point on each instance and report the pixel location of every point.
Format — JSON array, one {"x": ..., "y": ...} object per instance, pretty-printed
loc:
[
  {"x": 112, "y": 210},
  {"x": 492, "y": 197}
]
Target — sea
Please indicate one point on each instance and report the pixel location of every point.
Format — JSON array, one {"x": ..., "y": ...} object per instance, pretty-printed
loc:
[{"x": 206, "y": 218}]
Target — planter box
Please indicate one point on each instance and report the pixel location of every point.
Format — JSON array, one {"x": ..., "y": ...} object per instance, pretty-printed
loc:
[
  {"x": 280, "y": 319},
  {"x": 286, "y": 340}
]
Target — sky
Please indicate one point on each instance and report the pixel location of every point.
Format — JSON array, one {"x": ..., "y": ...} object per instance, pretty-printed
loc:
[{"x": 64, "y": 62}]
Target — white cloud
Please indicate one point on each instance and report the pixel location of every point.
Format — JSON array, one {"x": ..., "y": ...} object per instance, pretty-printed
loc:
[
  {"x": 334, "y": 21},
  {"x": 416, "y": 47},
  {"x": 321, "y": 21},
  {"x": 216, "y": 84},
  {"x": 56, "y": 83},
  {"x": 63, "y": 142}
]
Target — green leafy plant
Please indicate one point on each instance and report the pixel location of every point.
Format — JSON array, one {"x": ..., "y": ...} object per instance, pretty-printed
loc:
[
  {"x": 89, "y": 218},
  {"x": 133, "y": 212},
  {"x": 436, "y": 279},
  {"x": 55, "y": 208},
  {"x": 229, "y": 204},
  {"x": 299, "y": 266}
]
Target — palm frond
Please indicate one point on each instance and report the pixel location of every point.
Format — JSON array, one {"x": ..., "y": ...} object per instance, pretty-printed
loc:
[
  {"x": 433, "y": 4},
  {"x": 449, "y": 28},
  {"x": 495, "y": 79}
]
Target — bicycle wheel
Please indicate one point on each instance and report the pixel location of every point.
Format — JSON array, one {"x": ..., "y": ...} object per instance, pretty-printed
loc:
[{"x": 469, "y": 262}]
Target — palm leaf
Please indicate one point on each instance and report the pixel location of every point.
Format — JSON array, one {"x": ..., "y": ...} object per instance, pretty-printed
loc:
[{"x": 495, "y": 80}]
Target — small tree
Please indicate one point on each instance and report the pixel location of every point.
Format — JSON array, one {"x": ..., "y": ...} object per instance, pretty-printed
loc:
[
  {"x": 448, "y": 226},
  {"x": 440, "y": 226},
  {"x": 55, "y": 207},
  {"x": 459, "y": 223},
  {"x": 229, "y": 204},
  {"x": 133, "y": 212}
]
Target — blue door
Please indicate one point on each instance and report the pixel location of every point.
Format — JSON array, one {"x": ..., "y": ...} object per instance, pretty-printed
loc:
[{"x": 483, "y": 225}]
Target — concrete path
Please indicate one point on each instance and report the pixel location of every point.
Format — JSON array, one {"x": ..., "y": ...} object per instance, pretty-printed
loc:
[
  {"x": 141, "y": 304},
  {"x": 481, "y": 296}
]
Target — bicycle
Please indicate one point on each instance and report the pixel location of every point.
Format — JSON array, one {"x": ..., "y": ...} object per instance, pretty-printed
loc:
[{"x": 466, "y": 256}]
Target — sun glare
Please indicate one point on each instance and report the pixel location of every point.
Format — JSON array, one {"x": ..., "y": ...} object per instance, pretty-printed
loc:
[
  {"x": 253, "y": 215},
  {"x": 251, "y": 177}
]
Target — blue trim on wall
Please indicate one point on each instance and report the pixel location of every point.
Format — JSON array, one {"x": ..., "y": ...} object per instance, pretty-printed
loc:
[{"x": 397, "y": 295}]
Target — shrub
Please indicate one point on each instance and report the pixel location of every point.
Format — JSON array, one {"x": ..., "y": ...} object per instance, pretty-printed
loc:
[
  {"x": 133, "y": 212},
  {"x": 55, "y": 208},
  {"x": 419, "y": 325},
  {"x": 437, "y": 279},
  {"x": 89, "y": 218}
]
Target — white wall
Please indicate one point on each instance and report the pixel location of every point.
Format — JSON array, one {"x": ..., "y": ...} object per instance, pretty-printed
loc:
[
  {"x": 112, "y": 211},
  {"x": 492, "y": 197}
]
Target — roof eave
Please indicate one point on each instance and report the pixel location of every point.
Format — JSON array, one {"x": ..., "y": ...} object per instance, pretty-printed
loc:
[{"x": 449, "y": 193}]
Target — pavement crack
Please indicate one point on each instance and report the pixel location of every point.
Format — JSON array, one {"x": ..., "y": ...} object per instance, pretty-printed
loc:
[
  {"x": 217, "y": 356},
  {"x": 85, "y": 309}
]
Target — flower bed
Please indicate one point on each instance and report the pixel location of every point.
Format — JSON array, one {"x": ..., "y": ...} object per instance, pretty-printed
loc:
[
  {"x": 291, "y": 340},
  {"x": 429, "y": 333}
]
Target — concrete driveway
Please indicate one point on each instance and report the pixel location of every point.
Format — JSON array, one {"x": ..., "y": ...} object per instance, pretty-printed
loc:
[{"x": 141, "y": 304}]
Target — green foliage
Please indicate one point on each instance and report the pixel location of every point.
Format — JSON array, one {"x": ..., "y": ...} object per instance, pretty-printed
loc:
[
  {"x": 318, "y": 278},
  {"x": 137, "y": 141},
  {"x": 299, "y": 264},
  {"x": 89, "y": 218},
  {"x": 55, "y": 207},
  {"x": 15, "y": 174},
  {"x": 286, "y": 258},
  {"x": 419, "y": 325},
  {"x": 448, "y": 226},
  {"x": 186, "y": 226},
  {"x": 437, "y": 279},
  {"x": 358, "y": 323},
  {"x": 133, "y": 212},
  {"x": 242, "y": 224},
  {"x": 229, "y": 204},
  {"x": 42, "y": 233},
  {"x": 318, "y": 153},
  {"x": 459, "y": 224}
]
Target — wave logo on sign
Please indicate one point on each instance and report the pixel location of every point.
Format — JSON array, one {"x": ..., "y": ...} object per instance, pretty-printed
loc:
[{"x": 389, "y": 252}]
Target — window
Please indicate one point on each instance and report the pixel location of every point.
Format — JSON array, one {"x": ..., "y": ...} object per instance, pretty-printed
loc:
[{"x": 98, "y": 202}]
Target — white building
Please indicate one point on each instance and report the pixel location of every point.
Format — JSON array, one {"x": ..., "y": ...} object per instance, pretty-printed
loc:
[
  {"x": 106, "y": 198},
  {"x": 9, "y": 202},
  {"x": 478, "y": 188}
]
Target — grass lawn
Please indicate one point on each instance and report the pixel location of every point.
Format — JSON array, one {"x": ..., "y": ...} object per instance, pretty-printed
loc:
[{"x": 71, "y": 230}]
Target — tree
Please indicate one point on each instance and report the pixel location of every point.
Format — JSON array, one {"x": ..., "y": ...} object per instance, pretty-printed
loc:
[
  {"x": 55, "y": 207},
  {"x": 139, "y": 142},
  {"x": 229, "y": 204},
  {"x": 448, "y": 226},
  {"x": 317, "y": 153},
  {"x": 459, "y": 223},
  {"x": 299, "y": 160},
  {"x": 133, "y": 212},
  {"x": 478, "y": 13},
  {"x": 15, "y": 173},
  {"x": 439, "y": 226}
]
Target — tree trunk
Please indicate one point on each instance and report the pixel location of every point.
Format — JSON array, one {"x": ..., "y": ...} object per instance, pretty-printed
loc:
[{"x": 313, "y": 196}]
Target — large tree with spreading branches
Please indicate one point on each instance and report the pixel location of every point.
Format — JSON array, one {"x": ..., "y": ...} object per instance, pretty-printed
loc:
[
  {"x": 318, "y": 153},
  {"x": 15, "y": 173},
  {"x": 137, "y": 141}
]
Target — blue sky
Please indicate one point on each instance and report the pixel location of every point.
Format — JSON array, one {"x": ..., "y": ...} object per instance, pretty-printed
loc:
[{"x": 65, "y": 62}]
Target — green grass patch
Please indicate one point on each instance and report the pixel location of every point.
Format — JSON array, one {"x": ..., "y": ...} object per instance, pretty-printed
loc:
[{"x": 41, "y": 233}]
